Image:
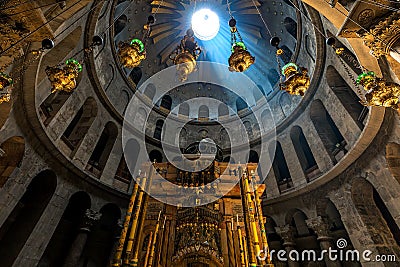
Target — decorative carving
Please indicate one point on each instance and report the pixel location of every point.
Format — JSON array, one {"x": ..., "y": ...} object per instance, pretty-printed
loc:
[
  {"x": 382, "y": 36},
  {"x": 90, "y": 218},
  {"x": 320, "y": 226},
  {"x": 366, "y": 16},
  {"x": 287, "y": 233}
]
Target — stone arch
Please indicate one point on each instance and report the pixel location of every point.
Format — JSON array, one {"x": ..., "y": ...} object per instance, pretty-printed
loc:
[
  {"x": 120, "y": 24},
  {"x": 80, "y": 124},
  {"x": 136, "y": 75},
  {"x": 102, "y": 150},
  {"x": 19, "y": 225},
  {"x": 67, "y": 229},
  {"x": 373, "y": 212},
  {"x": 349, "y": 99},
  {"x": 327, "y": 130},
  {"x": 223, "y": 110},
  {"x": 297, "y": 219},
  {"x": 166, "y": 103},
  {"x": 100, "y": 243},
  {"x": 241, "y": 104},
  {"x": 304, "y": 153},
  {"x": 123, "y": 176},
  {"x": 290, "y": 26},
  {"x": 204, "y": 112},
  {"x": 393, "y": 159},
  {"x": 267, "y": 120},
  {"x": 156, "y": 156},
  {"x": 158, "y": 130},
  {"x": 12, "y": 152},
  {"x": 184, "y": 109},
  {"x": 280, "y": 167}
]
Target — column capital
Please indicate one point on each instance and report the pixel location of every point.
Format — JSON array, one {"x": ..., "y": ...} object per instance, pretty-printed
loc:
[
  {"x": 287, "y": 233},
  {"x": 320, "y": 226},
  {"x": 89, "y": 219}
]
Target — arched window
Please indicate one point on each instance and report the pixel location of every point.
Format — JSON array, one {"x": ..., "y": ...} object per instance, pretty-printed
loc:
[
  {"x": 158, "y": 131},
  {"x": 123, "y": 176},
  {"x": 166, "y": 102},
  {"x": 183, "y": 138},
  {"x": 290, "y": 26},
  {"x": 80, "y": 124},
  {"x": 156, "y": 156},
  {"x": 304, "y": 153},
  {"x": 184, "y": 109},
  {"x": 102, "y": 150},
  {"x": 267, "y": 120},
  {"x": 287, "y": 54},
  {"x": 241, "y": 104},
  {"x": 13, "y": 152},
  {"x": 24, "y": 217},
  {"x": 150, "y": 91},
  {"x": 349, "y": 99},
  {"x": 223, "y": 110},
  {"x": 249, "y": 129},
  {"x": 253, "y": 157},
  {"x": 120, "y": 24},
  {"x": 67, "y": 229},
  {"x": 204, "y": 113},
  {"x": 52, "y": 105},
  {"x": 280, "y": 167},
  {"x": 328, "y": 131},
  {"x": 132, "y": 152},
  {"x": 136, "y": 75}
]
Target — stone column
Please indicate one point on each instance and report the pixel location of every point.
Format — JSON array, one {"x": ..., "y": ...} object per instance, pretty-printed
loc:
[
  {"x": 321, "y": 227},
  {"x": 117, "y": 235},
  {"x": 75, "y": 252},
  {"x": 287, "y": 234}
]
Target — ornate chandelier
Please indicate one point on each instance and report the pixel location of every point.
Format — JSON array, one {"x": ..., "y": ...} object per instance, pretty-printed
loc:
[
  {"x": 185, "y": 56},
  {"x": 296, "y": 79},
  {"x": 379, "y": 92},
  {"x": 5, "y": 89},
  {"x": 132, "y": 53},
  {"x": 64, "y": 79},
  {"x": 240, "y": 59}
]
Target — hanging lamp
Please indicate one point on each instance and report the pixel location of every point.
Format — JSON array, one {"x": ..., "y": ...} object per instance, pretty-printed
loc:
[
  {"x": 132, "y": 53},
  {"x": 63, "y": 78},
  {"x": 294, "y": 79},
  {"x": 186, "y": 55},
  {"x": 378, "y": 91},
  {"x": 240, "y": 59}
]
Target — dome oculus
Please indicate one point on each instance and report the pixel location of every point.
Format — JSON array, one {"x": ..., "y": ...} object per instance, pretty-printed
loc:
[{"x": 205, "y": 24}]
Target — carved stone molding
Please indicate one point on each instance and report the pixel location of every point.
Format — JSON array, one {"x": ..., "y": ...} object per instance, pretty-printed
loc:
[
  {"x": 287, "y": 233},
  {"x": 381, "y": 37}
]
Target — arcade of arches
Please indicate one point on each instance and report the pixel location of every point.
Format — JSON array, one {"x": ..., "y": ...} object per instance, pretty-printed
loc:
[{"x": 70, "y": 179}]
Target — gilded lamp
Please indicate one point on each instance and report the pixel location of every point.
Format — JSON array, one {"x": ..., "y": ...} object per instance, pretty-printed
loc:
[
  {"x": 379, "y": 92},
  {"x": 64, "y": 79},
  {"x": 185, "y": 56},
  {"x": 5, "y": 92},
  {"x": 240, "y": 59},
  {"x": 296, "y": 81}
]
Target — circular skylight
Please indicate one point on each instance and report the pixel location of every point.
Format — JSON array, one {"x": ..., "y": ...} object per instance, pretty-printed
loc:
[{"x": 205, "y": 24}]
